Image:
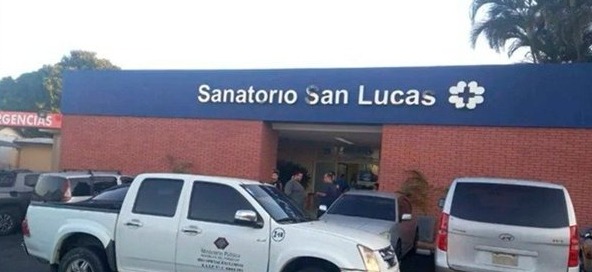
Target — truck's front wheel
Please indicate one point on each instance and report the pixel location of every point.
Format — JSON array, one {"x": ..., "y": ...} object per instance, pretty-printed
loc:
[
  {"x": 82, "y": 259},
  {"x": 312, "y": 269}
]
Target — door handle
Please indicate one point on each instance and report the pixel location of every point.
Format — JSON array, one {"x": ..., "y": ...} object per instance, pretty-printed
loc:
[
  {"x": 134, "y": 223},
  {"x": 191, "y": 230},
  {"x": 13, "y": 194}
]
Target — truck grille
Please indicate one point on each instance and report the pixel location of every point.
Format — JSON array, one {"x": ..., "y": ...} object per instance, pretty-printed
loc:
[{"x": 388, "y": 255}]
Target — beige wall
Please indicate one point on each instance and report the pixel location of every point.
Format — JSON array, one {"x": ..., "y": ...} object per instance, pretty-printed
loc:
[
  {"x": 36, "y": 157},
  {"x": 8, "y": 155}
]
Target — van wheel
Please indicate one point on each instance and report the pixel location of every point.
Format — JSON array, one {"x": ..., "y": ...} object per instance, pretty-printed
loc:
[
  {"x": 8, "y": 221},
  {"x": 82, "y": 259}
]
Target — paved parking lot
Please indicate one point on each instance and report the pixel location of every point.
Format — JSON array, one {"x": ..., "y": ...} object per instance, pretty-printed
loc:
[{"x": 13, "y": 259}]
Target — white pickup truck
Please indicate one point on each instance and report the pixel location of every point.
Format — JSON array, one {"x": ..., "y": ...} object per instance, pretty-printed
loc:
[{"x": 179, "y": 222}]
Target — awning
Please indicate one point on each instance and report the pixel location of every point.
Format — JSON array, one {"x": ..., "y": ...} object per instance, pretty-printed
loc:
[{"x": 8, "y": 144}]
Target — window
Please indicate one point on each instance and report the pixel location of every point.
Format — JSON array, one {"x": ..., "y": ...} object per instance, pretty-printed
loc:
[
  {"x": 115, "y": 194},
  {"x": 126, "y": 179},
  {"x": 31, "y": 180},
  {"x": 517, "y": 205},
  {"x": 276, "y": 203},
  {"x": 7, "y": 179},
  {"x": 365, "y": 206},
  {"x": 158, "y": 197},
  {"x": 103, "y": 183},
  {"x": 49, "y": 188},
  {"x": 80, "y": 186},
  {"x": 216, "y": 203}
]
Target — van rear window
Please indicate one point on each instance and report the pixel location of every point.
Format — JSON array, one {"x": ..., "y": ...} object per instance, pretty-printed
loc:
[
  {"x": 49, "y": 188},
  {"x": 507, "y": 204}
]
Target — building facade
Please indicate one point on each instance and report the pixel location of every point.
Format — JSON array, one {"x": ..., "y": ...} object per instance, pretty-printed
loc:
[{"x": 515, "y": 121}]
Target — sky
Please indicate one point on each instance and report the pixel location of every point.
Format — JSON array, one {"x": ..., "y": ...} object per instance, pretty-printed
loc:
[{"x": 253, "y": 34}]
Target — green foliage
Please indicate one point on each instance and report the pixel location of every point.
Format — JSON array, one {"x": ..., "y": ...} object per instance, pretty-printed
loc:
[
  {"x": 554, "y": 31},
  {"x": 23, "y": 94},
  {"x": 77, "y": 60},
  {"x": 41, "y": 90},
  {"x": 417, "y": 189}
]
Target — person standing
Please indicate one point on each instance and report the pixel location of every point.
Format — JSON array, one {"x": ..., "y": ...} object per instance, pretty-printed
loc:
[
  {"x": 275, "y": 180},
  {"x": 342, "y": 184},
  {"x": 295, "y": 190},
  {"x": 329, "y": 192}
]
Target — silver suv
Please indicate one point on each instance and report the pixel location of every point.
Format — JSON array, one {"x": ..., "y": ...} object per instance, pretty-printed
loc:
[
  {"x": 16, "y": 187},
  {"x": 491, "y": 224}
]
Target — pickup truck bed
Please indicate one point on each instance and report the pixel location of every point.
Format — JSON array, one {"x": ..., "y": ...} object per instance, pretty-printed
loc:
[{"x": 68, "y": 218}]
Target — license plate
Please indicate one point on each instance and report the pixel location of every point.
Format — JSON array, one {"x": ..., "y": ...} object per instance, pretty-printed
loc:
[{"x": 505, "y": 259}]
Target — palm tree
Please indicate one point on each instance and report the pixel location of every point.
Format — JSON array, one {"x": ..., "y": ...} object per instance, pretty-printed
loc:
[
  {"x": 570, "y": 22},
  {"x": 552, "y": 30}
]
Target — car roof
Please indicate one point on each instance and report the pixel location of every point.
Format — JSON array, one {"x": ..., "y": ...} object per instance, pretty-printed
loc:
[
  {"x": 80, "y": 174},
  {"x": 535, "y": 183},
  {"x": 374, "y": 193},
  {"x": 217, "y": 179}
]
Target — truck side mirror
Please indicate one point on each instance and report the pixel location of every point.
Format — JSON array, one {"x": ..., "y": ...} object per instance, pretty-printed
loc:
[
  {"x": 247, "y": 218},
  {"x": 406, "y": 217},
  {"x": 441, "y": 203},
  {"x": 322, "y": 210}
]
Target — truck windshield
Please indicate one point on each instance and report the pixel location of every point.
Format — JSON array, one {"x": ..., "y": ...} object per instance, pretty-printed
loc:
[{"x": 276, "y": 203}]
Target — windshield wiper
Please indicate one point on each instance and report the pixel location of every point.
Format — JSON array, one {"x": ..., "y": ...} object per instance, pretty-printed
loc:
[{"x": 288, "y": 220}]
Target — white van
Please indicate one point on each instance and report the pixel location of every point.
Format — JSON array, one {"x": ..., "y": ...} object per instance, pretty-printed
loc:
[{"x": 492, "y": 224}]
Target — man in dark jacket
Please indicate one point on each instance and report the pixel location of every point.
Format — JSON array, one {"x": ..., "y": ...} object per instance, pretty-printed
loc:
[
  {"x": 329, "y": 191},
  {"x": 275, "y": 180}
]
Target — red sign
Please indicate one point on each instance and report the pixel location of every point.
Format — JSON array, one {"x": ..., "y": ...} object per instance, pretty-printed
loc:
[{"x": 30, "y": 119}]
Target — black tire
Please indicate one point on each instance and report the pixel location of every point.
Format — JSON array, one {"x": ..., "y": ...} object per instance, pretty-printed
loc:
[
  {"x": 9, "y": 221},
  {"x": 312, "y": 269},
  {"x": 82, "y": 257}
]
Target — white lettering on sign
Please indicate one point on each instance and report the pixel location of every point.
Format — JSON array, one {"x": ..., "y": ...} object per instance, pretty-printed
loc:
[
  {"x": 315, "y": 96},
  {"x": 30, "y": 119},
  {"x": 396, "y": 97},
  {"x": 326, "y": 97},
  {"x": 246, "y": 96}
]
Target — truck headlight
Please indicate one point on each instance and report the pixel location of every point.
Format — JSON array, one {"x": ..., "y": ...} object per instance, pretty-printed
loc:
[{"x": 369, "y": 258}]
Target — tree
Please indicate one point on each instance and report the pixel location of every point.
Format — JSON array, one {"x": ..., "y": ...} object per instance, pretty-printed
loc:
[
  {"x": 553, "y": 31},
  {"x": 77, "y": 60},
  {"x": 41, "y": 90},
  {"x": 26, "y": 93}
]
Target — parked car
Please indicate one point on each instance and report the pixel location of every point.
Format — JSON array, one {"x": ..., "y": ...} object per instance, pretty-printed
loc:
[
  {"x": 493, "y": 224},
  {"x": 180, "y": 222},
  {"x": 381, "y": 213},
  {"x": 75, "y": 186},
  {"x": 16, "y": 187}
]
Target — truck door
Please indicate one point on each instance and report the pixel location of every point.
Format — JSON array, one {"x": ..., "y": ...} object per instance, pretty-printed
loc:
[
  {"x": 147, "y": 232},
  {"x": 210, "y": 239}
]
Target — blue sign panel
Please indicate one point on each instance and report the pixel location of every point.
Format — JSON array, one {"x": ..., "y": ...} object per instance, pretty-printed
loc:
[{"x": 506, "y": 95}]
